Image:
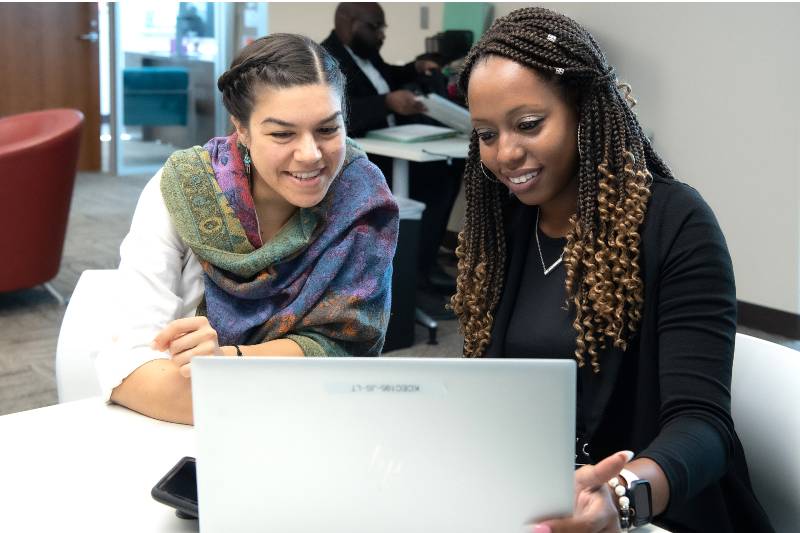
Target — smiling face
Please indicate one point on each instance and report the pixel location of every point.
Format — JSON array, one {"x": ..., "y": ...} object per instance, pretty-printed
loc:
[
  {"x": 527, "y": 131},
  {"x": 296, "y": 139}
]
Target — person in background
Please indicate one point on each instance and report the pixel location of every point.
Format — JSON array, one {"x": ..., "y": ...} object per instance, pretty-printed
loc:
[
  {"x": 579, "y": 243},
  {"x": 377, "y": 98},
  {"x": 274, "y": 241}
]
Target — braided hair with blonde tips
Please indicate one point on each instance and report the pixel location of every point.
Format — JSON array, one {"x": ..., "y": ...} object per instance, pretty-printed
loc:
[{"x": 615, "y": 161}]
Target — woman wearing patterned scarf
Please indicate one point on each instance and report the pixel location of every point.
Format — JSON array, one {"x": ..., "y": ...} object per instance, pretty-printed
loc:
[{"x": 275, "y": 241}]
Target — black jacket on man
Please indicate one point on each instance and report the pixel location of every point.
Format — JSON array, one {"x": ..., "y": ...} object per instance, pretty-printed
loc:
[
  {"x": 436, "y": 183},
  {"x": 367, "y": 109}
]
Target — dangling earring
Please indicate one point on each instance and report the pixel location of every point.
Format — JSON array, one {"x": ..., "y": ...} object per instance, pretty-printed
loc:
[
  {"x": 489, "y": 176},
  {"x": 580, "y": 152},
  {"x": 246, "y": 159}
]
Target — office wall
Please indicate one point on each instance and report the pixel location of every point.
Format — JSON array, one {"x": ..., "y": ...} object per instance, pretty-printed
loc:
[
  {"x": 717, "y": 84},
  {"x": 404, "y": 37}
]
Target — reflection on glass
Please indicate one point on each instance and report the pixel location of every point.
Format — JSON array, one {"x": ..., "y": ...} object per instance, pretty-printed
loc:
[{"x": 194, "y": 31}]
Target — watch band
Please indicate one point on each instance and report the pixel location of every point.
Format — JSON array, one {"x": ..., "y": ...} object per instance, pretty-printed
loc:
[{"x": 628, "y": 476}]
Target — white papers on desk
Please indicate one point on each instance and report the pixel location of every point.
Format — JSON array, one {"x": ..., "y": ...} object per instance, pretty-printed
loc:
[
  {"x": 446, "y": 112},
  {"x": 412, "y": 133}
]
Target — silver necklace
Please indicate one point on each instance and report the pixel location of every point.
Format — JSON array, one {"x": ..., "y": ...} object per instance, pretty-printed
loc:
[{"x": 546, "y": 269}]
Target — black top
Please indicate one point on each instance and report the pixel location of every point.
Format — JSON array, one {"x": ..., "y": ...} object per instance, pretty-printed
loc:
[
  {"x": 367, "y": 109},
  {"x": 668, "y": 396},
  {"x": 541, "y": 324}
]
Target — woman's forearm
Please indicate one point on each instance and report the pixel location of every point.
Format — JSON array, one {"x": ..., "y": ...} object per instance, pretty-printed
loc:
[
  {"x": 156, "y": 389},
  {"x": 276, "y": 348}
]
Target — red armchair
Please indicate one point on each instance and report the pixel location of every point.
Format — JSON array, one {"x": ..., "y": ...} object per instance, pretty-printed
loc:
[{"x": 38, "y": 162}]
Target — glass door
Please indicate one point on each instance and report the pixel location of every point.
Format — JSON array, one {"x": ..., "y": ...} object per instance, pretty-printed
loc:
[{"x": 165, "y": 60}]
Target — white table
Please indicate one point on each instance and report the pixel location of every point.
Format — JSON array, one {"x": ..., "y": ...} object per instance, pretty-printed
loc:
[
  {"x": 419, "y": 152},
  {"x": 87, "y": 466}
]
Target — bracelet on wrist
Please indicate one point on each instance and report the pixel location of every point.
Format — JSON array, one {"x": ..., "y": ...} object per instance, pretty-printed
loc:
[
  {"x": 633, "y": 498},
  {"x": 238, "y": 350},
  {"x": 623, "y": 503}
]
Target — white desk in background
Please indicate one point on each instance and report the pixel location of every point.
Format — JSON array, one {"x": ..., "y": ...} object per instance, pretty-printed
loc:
[
  {"x": 419, "y": 152},
  {"x": 87, "y": 466}
]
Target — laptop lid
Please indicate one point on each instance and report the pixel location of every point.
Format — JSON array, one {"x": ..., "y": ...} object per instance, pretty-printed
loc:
[{"x": 382, "y": 444}]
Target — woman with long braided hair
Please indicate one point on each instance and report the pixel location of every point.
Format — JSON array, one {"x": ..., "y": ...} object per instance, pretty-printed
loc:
[{"x": 579, "y": 243}]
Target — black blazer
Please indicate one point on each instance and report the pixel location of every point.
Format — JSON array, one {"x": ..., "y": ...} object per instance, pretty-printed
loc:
[
  {"x": 367, "y": 109},
  {"x": 668, "y": 396}
]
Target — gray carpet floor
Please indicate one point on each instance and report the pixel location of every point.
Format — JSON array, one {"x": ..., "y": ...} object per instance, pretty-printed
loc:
[
  {"x": 102, "y": 207},
  {"x": 100, "y": 214}
]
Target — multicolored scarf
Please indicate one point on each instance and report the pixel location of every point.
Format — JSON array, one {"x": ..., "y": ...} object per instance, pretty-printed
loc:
[{"x": 323, "y": 281}]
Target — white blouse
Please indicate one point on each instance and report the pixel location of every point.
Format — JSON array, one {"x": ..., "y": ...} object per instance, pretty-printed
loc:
[{"x": 160, "y": 280}]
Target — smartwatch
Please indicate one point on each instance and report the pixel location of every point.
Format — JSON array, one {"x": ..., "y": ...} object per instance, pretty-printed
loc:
[{"x": 640, "y": 496}]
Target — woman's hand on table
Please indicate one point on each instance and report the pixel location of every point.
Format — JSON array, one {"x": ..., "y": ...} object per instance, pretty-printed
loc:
[
  {"x": 185, "y": 338},
  {"x": 595, "y": 510}
]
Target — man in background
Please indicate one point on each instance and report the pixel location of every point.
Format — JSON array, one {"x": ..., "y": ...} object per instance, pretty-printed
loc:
[{"x": 378, "y": 96}]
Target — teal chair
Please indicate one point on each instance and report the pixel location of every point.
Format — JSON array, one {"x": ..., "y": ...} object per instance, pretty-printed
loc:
[{"x": 155, "y": 96}]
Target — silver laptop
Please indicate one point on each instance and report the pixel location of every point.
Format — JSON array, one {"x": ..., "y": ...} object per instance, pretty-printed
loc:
[{"x": 380, "y": 445}]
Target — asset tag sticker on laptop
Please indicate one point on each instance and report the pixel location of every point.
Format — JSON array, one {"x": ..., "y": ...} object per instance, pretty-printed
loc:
[{"x": 385, "y": 388}]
